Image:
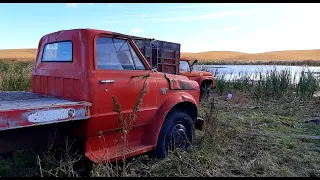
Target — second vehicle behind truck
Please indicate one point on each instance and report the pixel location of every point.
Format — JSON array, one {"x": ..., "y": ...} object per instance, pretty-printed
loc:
[{"x": 164, "y": 56}]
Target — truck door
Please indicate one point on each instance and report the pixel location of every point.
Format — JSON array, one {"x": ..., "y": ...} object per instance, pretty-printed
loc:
[{"x": 119, "y": 72}]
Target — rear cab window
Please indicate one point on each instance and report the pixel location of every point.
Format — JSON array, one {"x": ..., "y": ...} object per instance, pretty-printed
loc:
[
  {"x": 116, "y": 54},
  {"x": 58, "y": 52}
]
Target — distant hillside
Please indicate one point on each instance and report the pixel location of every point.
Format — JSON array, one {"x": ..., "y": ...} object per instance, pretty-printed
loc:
[
  {"x": 293, "y": 55},
  {"x": 18, "y": 54},
  {"x": 213, "y": 55}
]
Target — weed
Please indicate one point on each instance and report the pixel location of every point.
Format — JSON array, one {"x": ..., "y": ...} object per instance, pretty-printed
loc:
[
  {"x": 15, "y": 76},
  {"x": 236, "y": 62},
  {"x": 240, "y": 138}
]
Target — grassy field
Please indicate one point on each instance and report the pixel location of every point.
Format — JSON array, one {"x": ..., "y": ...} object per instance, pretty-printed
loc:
[
  {"x": 18, "y": 54},
  {"x": 291, "y": 57},
  {"x": 261, "y": 62},
  {"x": 15, "y": 75},
  {"x": 264, "y": 130}
]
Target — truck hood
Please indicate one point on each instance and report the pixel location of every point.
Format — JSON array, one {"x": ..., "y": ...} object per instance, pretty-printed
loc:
[
  {"x": 177, "y": 82},
  {"x": 195, "y": 73}
]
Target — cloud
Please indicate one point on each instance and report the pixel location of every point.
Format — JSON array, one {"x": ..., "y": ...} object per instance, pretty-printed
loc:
[
  {"x": 136, "y": 30},
  {"x": 231, "y": 28},
  {"x": 73, "y": 5},
  {"x": 217, "y": 15},
  {"x": 296, "y": 29},
  {"x": 203, "y": 5},
  {"x": 221, "y": 30},
  {"x": 143, "y": 15}
]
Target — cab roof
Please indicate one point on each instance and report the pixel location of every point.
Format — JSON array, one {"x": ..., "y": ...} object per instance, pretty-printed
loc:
[
  {"x": 89, "y": 31},
  {"x": 185, "y": 59}
]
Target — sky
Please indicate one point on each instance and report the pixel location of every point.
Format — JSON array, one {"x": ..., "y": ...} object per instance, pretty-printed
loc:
[{"x": 242, "y": 27}]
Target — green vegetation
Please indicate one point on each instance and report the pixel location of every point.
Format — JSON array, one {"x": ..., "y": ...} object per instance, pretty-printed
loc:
[
  {"x": 15, "y": 75},
  {"x": 261, "y": 131},
  {"x": 258, "y": 62},
  {"x": 271, "y": 85}
]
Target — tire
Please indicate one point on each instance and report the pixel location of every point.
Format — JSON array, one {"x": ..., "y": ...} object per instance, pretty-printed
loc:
[
  {"x": 176, "y": 121},
  {"x": 205, "y": 89}
]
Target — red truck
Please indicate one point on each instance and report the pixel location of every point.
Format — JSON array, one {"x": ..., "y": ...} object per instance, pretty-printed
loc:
[
  {"x": 75, "y": 76},
  {"x": 204, "y": 79},
  {"x": 156, "y": 53}
]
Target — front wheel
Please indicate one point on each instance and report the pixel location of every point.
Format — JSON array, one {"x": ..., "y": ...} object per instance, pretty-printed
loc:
[{"x": 177, "y": 132}]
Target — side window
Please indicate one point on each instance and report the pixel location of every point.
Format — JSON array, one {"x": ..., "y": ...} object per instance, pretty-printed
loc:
[
  {"x": 116, "y": 54},
  {"x": 184, "y": 66},
  {"x": 137, "y": 60},
  {"x": 106, "y": 55}
]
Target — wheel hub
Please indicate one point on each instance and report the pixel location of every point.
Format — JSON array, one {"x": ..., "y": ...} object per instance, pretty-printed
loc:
[{"x": 178, "y": 136}]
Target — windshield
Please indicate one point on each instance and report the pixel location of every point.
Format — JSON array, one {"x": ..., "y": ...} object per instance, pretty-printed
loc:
[{"x": 184, "y": 66}]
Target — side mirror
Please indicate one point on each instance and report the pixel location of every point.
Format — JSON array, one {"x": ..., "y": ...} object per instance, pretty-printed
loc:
[{"x": 195, "y": 61}]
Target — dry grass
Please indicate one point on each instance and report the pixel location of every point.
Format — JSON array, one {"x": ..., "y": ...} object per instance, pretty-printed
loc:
[
  {"x": 15, "y": 76},
  {"x": 292, "y": 55},
  {"x": 241, "y": 138},
  {"x": 213, "y": 55},
  {"x": 18, "y": 54},
  {"x": 225, "y": 56}
]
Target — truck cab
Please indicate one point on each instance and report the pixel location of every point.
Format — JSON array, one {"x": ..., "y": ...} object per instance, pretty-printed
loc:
[
  {"x": 205, "y": 79},
  {"x": 105, "y": 70}
]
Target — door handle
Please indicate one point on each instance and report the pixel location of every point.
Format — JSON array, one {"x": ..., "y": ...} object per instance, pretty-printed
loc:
[{"x": 106, "y": 81}]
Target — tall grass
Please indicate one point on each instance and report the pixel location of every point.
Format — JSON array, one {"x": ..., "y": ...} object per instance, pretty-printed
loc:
[
  {"x": 260, "y": 62},
  {"x": 15, "y": 75},
  {"x": 226, "y": 146},
  {"x": 273, "y": 84}
]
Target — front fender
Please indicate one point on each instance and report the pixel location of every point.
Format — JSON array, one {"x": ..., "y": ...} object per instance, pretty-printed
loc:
[
  {"x": 200, "y": 80},
  {"x": 210, "y": 78},
  {"x": 153, "y": 130}
]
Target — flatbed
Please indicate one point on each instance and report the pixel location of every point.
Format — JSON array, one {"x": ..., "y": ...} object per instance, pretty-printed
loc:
[{"x": 21, "y": 109}]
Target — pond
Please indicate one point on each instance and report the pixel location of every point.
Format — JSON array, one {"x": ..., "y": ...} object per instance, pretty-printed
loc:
[{"x": 234, "y": 72}]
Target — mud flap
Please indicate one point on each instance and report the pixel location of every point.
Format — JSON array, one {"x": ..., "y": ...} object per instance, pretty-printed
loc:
[{"x": 199, "y": 123}]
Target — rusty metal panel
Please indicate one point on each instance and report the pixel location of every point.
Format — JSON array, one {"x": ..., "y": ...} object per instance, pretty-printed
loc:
[
  {"x": 37, "y": 85},
  {"x": 51, "y": 85},
  {"x": 169, "y": 69},
  {"x": 161, "y": 54},
  {"x": 59, "y": 86},
  {"x": 57, "y": 78},
  {"x": 67, "y": 88}
]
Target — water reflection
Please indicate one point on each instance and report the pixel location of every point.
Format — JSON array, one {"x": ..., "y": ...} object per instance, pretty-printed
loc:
[{"x": 253, "y": 72}]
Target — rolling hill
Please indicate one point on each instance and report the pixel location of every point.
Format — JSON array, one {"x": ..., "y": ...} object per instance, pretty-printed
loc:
[
  {"x": 18, "y": 54},
  {"x": 290, "y": 55}
]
